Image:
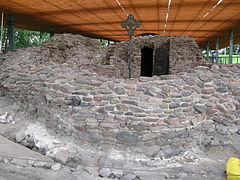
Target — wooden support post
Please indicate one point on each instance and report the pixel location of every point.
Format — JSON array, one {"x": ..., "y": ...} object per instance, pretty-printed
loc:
[
  {"x": 217, "y": 49},
  {"x": 102, "y": 42},
  {"x": 231, "y": 48},
  {"x": 212, "y": 57},
  {"x": 11, "y": 35},
  {"x": 201, "y": 49},
  {"x": 1, "y": 38},
  {"x": 52, "y": 32},
  {"x": 208, "y": 47}
]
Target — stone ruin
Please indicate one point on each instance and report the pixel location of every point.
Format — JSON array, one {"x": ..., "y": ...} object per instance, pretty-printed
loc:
[
  {"x": 155, "y": 55},
  {"x": 69, "y": 85}
]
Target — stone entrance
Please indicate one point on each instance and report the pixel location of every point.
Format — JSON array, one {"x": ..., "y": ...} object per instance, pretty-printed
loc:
[
  {"x": 161, "y": 63},
  {"x": 147, "y": 62},
  {"x": 154, "y": 55},
  {"x": 158, "y": 66}
]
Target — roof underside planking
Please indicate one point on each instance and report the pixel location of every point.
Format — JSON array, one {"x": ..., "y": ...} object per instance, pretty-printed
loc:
[{"x": 203, "y": 20}]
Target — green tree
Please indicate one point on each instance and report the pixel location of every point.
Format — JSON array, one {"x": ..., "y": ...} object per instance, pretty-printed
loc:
[{"x": 25, "y": 38}]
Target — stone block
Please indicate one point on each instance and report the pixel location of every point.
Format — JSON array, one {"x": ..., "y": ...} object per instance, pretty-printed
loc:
[
  {"x": 62, "y": 155},
  {"x": 119, "y": 91},
  {"x": 87, "y": 99},
  {"x": 131, "y": 86},
  {"x": 208, "y": 91},
  {"x": 200, "y": 108},
  {"x": 97, "y": 98},
  {"x": 39, "y": 164},
  {"x": 134, "y": 93},
  {"x": 96, "y": 83},
  {"x": 114, "y": 101},
  {"x": 184, "y": 105},
  {"x": 108, "y": 133},
  {"x": 101, "y": 110},
  {"x": 75, "y": 101},
  {"x": 186, "y": 93},
  {"x": 79, "y": 128},
  {"x": 175, "y": 95},
  {"x": 108, "y": 125},
  {"x": 56, "y": 167},
  {"x": 117, "y": 172},
  {"x": 20, "y": 162},
  {"x": 130, "y": 176},
  {"x": 224, "y": 109},
  {"x": 20, "y": 135},
  {"x": 122, "y": 107},
  {"x": 117, "y": 112},
  {"x": 174, "y": 105},
  {"x": 127, "y": 137},
  {"x": 105, "y": 172},
  {"x": 151, "y": 119},
  {"x": 140, "y": 115},
  {"x": 105, "y": 91},
  {"x": 129, "y": 114},
  {"x": 200, "y": 84},
  {"x": 67, "y": 88},
  {"x": 134, "y": 103},
  {"x": 108, "y": 97}
]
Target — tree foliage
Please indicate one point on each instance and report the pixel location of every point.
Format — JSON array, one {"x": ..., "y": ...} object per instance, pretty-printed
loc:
[
  {"x": 236, "y": 49},
  {"x": 25, "y": 38}
]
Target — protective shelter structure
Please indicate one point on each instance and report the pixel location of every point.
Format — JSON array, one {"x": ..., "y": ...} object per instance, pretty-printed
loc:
[{"x": 202, "y": 20}]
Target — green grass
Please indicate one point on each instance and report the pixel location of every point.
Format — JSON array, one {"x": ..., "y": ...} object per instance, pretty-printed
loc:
[{"x": 224, "y": 59}]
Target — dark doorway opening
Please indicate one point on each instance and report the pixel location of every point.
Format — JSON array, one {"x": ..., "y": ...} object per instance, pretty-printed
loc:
[
  {"x": 147, "y": 62},
  {"x": 161, "y": 64}
]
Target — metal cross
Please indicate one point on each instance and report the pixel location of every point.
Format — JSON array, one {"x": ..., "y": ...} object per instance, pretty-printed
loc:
[{"x": 130, "y": 24}]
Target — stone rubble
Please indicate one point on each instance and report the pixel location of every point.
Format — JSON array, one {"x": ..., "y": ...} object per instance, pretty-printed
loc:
[
  {"x": 6, "y": 118},
  {"x": 120, "y": 160},
  {"x": 20, "y": 136},
  {"x": 62, "y": 156},
  {"x": 128, "y": 177},
  {"x": 16, "y": 169},
  {"x": 56, "y": 167},
  {"x": 30, "y": 163},
  {"x": 105, "y": 172}
]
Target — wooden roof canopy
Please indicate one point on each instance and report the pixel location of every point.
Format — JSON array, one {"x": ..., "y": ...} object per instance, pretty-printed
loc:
[{"x": 203, "y": 20}]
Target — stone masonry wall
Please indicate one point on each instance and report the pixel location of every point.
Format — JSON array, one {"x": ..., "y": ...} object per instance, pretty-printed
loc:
[
  {"x": 97, "y": 109},
  {"x": 184, "y": 54}
]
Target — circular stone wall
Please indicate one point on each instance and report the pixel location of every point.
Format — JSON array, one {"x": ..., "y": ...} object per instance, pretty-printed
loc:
[{"x": 116, "y": 112}]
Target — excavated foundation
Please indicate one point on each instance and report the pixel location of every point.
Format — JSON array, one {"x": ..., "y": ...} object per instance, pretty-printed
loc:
[{"x": 145, "y": 122}]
